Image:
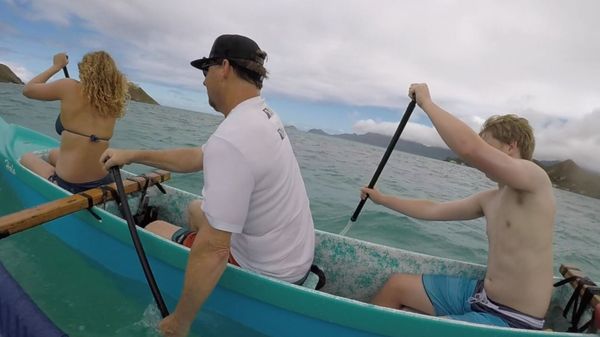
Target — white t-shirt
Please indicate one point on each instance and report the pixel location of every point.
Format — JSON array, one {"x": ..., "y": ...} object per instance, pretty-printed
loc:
[{"x": 253, "y": 188}]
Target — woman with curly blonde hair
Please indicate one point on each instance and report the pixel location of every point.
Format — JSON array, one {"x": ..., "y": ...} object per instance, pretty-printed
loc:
[{"x": 88, "y": 112}]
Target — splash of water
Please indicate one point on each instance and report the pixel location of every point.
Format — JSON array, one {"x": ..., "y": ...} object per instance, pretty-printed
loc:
[
  {"x": 347, "y": 228},
  {"x": 148, "y": 324}
]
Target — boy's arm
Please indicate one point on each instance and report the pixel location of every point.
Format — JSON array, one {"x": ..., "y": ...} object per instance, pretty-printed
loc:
[
  {"x": 517, "y": 173},
  {"x": 464, "y": 209}
]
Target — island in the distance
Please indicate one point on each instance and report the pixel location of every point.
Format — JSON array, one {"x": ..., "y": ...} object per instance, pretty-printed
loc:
[
  {"x": 136, "y": 93},
  {"x": 566, "y": 174}
]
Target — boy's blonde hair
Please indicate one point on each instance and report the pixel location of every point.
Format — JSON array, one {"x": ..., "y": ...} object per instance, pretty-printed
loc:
[{"x": 511, "y": 128}]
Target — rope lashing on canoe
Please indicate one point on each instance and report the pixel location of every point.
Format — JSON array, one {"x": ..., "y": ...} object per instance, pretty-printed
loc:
[
  {"x": 146, "y": 183},
  {"x": 145, "y": 213},
  {"x": 106, "y": 191},
  {"x": 90, "y": 201},
  {"x": 586, "y": 299},
  {"x": 584, "y": 296}
]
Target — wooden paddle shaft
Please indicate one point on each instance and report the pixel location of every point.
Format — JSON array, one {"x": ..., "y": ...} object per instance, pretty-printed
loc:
[{"x": 31, "y": 217}]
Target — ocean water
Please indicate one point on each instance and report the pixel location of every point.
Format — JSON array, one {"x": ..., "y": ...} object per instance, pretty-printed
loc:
[{"x": 333, "y": 171}]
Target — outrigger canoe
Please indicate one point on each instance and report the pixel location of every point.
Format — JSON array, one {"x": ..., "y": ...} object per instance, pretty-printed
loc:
[{"x": 354, "y": 269}]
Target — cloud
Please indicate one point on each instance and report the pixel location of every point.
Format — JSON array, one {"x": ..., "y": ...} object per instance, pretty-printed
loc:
[
  {"x": 556, "y": 138},
  {"x": 7, "y": 30},
  {"x": 576, "y": 139},
  {"x": 536, "y": 58},
  {"x": 534, "y": 54}
]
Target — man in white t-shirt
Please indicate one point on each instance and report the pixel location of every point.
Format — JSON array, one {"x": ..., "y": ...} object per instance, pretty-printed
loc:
[{"x": 255, "y": 212}]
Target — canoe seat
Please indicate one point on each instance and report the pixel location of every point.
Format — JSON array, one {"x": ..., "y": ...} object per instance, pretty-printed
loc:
[
  {"x": 585, "y": 301},
  {"x": 311, "y": 281},
  {"x": 315, "y": 279}
]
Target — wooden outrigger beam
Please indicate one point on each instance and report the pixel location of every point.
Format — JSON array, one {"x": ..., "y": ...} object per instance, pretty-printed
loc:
[
  {"x": 31, "y": 217},
  {"x": 569, "y": 271}
]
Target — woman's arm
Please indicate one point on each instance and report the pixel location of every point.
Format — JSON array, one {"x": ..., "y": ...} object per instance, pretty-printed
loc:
[{"x": 37, "y": 88}]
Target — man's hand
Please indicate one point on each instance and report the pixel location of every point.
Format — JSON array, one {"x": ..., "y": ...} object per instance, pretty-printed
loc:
[
  {"x": 115, "y": 157},
  {"x": 373, "y": 194},
  {"x": 171, "y": 326}
]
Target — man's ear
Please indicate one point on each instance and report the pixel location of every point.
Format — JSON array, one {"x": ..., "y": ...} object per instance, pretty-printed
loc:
[{"x": 226, "y": 68}]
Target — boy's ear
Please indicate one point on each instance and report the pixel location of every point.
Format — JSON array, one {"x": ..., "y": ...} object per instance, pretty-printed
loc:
[{"x": 513, "y": 146}]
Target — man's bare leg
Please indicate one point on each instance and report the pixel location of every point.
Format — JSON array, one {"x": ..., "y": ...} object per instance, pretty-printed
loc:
[
  {"x": 194, "y": 213},
  {"x": 167, "y": 230},
  {"x": 405, "y": 292}
]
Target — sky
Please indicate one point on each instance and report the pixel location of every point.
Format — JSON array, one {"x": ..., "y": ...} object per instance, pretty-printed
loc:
[{"x": 345, "y": 66}]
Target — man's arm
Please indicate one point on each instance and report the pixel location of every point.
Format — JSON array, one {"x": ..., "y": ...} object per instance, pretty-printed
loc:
[
  {"x": 464, "y": 209},
  {"x": 183, "y": 160},
  {"x": 207, "y": 262},
  {"x": 516, "y": 173}
]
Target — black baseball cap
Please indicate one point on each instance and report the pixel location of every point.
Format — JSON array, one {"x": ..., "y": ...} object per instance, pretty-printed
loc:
[{"x": 231, "y": 46}]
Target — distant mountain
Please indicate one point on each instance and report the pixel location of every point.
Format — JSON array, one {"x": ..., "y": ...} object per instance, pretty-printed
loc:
[
  {"x": 402, "y": 145},
  {"x": 318, "y": 132},
  {"x": 139, "y": 95},
  {"x": 568, "y": 176},
  {"x": 563, "y": 174},
  {"x": 135, "y": 92},
  {"x": 546, "y": 163},
  {"x": 7, "y": 75}
]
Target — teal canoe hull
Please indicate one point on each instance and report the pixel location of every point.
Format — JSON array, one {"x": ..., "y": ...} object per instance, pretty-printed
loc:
[{"x": 354, "y": 268}]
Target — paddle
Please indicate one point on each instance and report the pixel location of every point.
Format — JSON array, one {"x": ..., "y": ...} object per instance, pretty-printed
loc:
[
  {"x": 65, "y": 70},
  {"x": 31, "y": 217},
  {"x": 124, "y": 207},
  {"x": 386, "y": 156},
  {"x": 58, "y": 124}
]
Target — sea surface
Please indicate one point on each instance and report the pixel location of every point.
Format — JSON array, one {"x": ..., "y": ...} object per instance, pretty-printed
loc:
[{"x": 333, "y": 169}]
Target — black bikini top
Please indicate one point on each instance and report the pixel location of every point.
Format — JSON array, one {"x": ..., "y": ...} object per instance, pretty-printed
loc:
[{"x": 58, "y": 126}]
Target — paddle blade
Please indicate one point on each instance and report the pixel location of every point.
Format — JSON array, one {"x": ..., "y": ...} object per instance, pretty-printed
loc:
[{"x": 348, "y": 226}]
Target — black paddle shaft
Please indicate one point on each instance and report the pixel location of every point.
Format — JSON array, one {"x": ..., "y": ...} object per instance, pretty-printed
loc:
[
  {"x": 124, "y": 206},
  {"x": 65, "y": 70},
  {"x": 386, "y": 155}
]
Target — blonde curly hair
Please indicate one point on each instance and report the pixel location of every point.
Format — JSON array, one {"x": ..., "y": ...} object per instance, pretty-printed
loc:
[
  {"x": 103, "y": 84},
  {"x": 511, "y": 128}
]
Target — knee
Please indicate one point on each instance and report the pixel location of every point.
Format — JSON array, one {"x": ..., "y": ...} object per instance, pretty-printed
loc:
[
  {"x": 194, "y": 212},
  {"x": 195, "y": 209},
  {"x": 155, "y": 226},
  {"x": 399, "y": 283},
  {"x": 162, "y": 228},
  {"x": 27, "y": 158}
]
